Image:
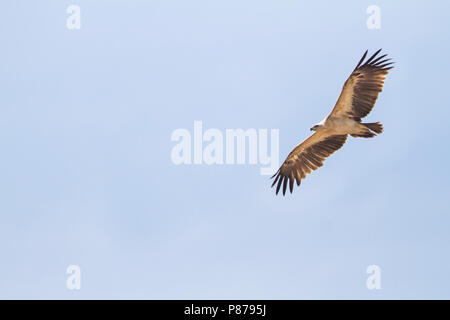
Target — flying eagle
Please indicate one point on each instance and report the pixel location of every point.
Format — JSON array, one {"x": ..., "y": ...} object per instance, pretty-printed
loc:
[{"x": 357, "y": 99}]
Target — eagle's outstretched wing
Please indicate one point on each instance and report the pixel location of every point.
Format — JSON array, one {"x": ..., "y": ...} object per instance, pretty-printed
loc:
[
  {"x": 360, "y": 91},
  {"x": 306, "y": 157}
]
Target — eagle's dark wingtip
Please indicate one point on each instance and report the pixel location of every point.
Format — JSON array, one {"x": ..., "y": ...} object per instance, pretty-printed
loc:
[
  {"x": 285, "y": 185},
  {"x": 275, "y": 174},
  {"x": 278, "y": 185},
  {"x": 361, "y": 60},
  {"x": 372, "y": 57},
  {"x": 291, "y": 184},
  {"x": 275, "y": 181}
]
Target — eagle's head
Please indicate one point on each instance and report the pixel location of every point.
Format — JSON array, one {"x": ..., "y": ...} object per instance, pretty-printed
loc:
[
  {"x": 316, "y": 127},
  {"x": 319, "y": 125}
]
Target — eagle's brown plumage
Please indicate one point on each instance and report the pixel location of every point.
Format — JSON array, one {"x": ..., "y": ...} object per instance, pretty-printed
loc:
[
  {"x": 357, "y": 99},
  {"x": 360, "y": 91}
]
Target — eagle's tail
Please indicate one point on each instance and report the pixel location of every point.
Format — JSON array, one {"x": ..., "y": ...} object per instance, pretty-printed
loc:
[
  {"x": 371, "y": 130},
  {"x": 376, "y": 127}
]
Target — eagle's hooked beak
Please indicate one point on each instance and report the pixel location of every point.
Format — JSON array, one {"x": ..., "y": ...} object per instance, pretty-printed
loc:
[{"x": 312, "y": 129}]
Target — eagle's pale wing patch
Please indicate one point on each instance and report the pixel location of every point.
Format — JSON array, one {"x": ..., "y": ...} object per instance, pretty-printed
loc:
[
  {"x": 360, "y": 91},
  {"x": 306, "y": 157}
]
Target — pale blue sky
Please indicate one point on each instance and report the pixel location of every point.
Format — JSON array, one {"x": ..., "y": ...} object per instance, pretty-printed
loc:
[{"x": 86, "y": 177}]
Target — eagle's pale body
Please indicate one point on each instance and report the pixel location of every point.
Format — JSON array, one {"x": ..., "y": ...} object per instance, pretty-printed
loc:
[
  {"x": 335, "y": 125},
  {"x": 357, "y": 99}
]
